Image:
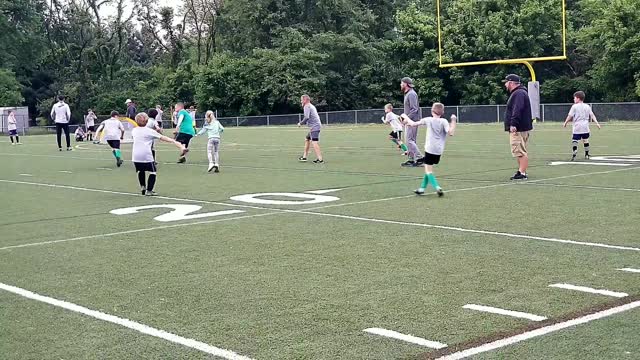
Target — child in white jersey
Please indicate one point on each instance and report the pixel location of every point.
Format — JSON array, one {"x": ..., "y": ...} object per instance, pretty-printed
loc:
[
  {"x": 580, "y": 114},
  {"x": 396, "y": 127},
  {"x": 113, "y": 133},
  {"x": 143, "y": 138},
  {"x": 12, "y": 126},
  {"x": 214, "y": 129},
  {"x": 437, "y": 131}
]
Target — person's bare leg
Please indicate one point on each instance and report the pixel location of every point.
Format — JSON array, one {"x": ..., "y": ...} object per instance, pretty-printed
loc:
[
  {"x": 307, "y": 143},
  {"x": 523, "y": 163},
  {"x": 316, "y": 149}
]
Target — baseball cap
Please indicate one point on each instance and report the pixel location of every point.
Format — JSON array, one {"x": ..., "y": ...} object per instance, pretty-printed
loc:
[
  {"x": 128, "y": 101},
  {"x": 408, "y": 81},
  {"x": 512, "y": 77}
]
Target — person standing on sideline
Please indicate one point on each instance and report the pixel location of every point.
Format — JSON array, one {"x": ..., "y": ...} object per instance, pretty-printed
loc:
[
  {"x": 518, "y": 122},
  {"x": 61, "y": 115},
  {"x": 412, "y": 110},
  {"x": 12, "y": 126},
  {"x": 312, "y": 119},
  {"x": 131, "y": 109},
  {"x": 184, "y": 129},
  {"x": 90, "y": 124},
  {"x": 159, "y": 115},
  {"x": 581, "y": 114}
]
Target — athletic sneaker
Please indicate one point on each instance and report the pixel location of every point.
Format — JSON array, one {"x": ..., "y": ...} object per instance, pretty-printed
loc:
[
  {"x": 408, "y": 163},
  {"x": 519, "y": 176},
  {"x": 143, "y": 191},
  {"x": 211, "y": 166},
  {"x": 302, "y": 159},
  {"x": 13, "y": 143},
  {"x": 60, "y": 149},
  {"x": 419, "y": 162},
  {"x": 316, "y": 161},
  {"x": 216, "y": 168},
  {"x": 586, "y": 156},
  {"x": 419, "y": 191},
  {"x": 69, "y": 149},
  {"x": 440, "y": 192},
  {"x": 573, "y": 157},
  {"x": 182, "y": 160},
  {"x": 119, "y": 162},
  {"x": 151, "y": 193},
  {"x": 19, "y": 143}
]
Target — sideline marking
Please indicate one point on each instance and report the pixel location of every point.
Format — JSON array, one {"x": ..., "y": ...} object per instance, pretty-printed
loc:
[
  {"x": 65, "y": 172},
  {"x": 554, "y": 163},
  {"x": 136, "y": 326},
  {"x": 25, "y": 174},
  {"x": 590, "y": 290},
  {"x": 320, "y": 192},
  {"x": 102, "y": 168},
  {"x": 539, "y": 332},
  {"x": 629, "y": 270},
  {"x": 408, "y": 338},
  {"x": 499, "y": 311}
]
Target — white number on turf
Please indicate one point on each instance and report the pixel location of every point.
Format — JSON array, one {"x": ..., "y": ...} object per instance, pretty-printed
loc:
[
  {"x": 304, "y": 199},
  {"x": 180, "y": 212}
]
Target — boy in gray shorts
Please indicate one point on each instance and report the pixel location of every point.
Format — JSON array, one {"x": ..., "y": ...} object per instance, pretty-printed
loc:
[{"x": 312, "y": 120}]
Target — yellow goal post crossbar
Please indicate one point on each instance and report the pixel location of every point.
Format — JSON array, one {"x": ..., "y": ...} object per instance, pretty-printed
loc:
[{"x": 526, "y": 61}]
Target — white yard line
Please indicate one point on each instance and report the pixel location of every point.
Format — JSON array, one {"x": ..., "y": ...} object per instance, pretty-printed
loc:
[
  {"x": 630, "y": 270},
  {"x": 540, "y": 332},
  {"x": 96, "y": 236},
  {"x": 408, "y": 338},
  {"x": 586, "y": 187},
  {"x": 590, "y": 290},
  {"x": 494, "y": 310},
  {"x": 136, "y": 326},
  {"x": 554, "y": 163}
]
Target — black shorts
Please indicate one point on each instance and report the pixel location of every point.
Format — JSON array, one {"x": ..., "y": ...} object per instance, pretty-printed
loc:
[
  {"x": 184, "y": 139},
  {"x": 430, "y": 159},
  {"x": 396, "y": 135},
  {"x": 91, "y": 128},
  {"x": 313, "y": 135},
  {"x": 577, "y": 137},
  {"x": 115, "y": 144},
  {"x": 145, "y": 166}
]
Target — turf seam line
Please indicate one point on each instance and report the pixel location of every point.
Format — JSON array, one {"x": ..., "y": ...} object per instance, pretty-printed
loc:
[
  {"x": 500, "y": 340},
  {"x": 499, "y": 311},
  {"x": 136, "y": 326}
]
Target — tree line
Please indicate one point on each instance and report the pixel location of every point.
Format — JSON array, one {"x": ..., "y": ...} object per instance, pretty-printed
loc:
[{"x": 255, "y": 57}]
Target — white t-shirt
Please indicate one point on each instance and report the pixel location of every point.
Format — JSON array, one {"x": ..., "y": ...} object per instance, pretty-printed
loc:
[
  {"x": 89, "y": 120},
  {"x": 112, "y": 129},
  {"x": 152, "y": 123},
  {"x": 12, "y": 123},
  {"x": 60, "y": 113},
  {"x": 143, "y": 138},
  {"x": 159, "y": 116},
  {"x": 393, "y": 120},
  {"x": 581, "y": 116},
  {"x": 437, "y": 131}
]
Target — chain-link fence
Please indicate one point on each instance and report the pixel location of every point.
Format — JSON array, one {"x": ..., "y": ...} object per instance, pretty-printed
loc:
[{"x": 465, "y": 113}]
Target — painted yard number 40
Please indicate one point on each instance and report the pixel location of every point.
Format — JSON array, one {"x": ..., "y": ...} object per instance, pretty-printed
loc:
[{"x": 180, "y": 212}]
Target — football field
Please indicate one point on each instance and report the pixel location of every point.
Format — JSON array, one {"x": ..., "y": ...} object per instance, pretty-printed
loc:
[{"x": 276, "y": 259}]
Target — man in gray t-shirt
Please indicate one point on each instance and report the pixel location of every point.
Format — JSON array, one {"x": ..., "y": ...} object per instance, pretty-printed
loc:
[
  {"x": 412, "y": 110},
  {"x": 312, "y": 119}
]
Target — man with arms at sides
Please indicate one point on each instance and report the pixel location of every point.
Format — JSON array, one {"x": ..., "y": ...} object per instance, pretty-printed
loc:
[
  {"x": 412, "y": 110},
  {"x": 518, "y": 122},
  {"x": 61, "y": 115}
]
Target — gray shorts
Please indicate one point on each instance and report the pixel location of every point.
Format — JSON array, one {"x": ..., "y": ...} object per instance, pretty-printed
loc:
[{"x": 313, "y": 135}]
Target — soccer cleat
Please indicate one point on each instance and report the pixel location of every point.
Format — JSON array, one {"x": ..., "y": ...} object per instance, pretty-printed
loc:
[
  {"x": 419, "y": 162},
  {"x": 317, "y": 161},
  {"x": 182, "y": 160},
  {"x": 302, "y": 159},
  {"x": 19, "y": 143},
  {"x": 119, "y": 162},
  {"x": 150, "y": 193},
  {"x": 440, "y": 192},
  {"x": 587, "y": 156},
  {"x": 13, "y": 143},
  {"x": 143, "y": 191},
  {"x": 60, "y": 149},
  {"x": 419, "y": 191},
  {"x": 573, "y": 157},
  {"x": 216, "y": 168},
  {"x": 69, "y": 149},
  {"x": 408, "y": 163},
  {"x": 519, "y": 176},
  {"x": 211, "y": 166}
]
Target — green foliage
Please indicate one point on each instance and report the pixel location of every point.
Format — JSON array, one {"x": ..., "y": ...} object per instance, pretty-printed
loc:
[{"x": 9, "y": 89}]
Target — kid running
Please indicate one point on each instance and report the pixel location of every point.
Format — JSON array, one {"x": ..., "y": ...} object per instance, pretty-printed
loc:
[
  {"x": 580, "y": 114},
  {"x": 437, "y": 131},
  {"x": 113, "y": 133},
  {"x": 184, "y": 129},
  {"x": 214, "y": 129},
  {"x": 396, "y": 127},
  {"x": 143, "y": 138}
]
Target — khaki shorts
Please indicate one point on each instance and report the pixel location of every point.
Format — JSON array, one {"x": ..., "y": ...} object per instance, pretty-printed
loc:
[{"x": 518, "y": 141}]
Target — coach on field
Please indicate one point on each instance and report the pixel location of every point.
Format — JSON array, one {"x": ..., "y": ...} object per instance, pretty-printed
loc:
[{"x": 518, "y": 122}]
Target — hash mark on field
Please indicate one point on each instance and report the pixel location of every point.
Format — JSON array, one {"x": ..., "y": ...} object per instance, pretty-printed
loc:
[
  {"x": 65, "y": 172},
  {"x": 101, "y": 168},
  {"x": 539, "y": 332},
  {"x": 629, "y": 270},
  {"x": 141, "y": 328},
  {"x": 493, "y": 310},
  {"x": 590, "y": 290},
  {"x": 408, "y": 338},
  {"x": 25, "y": 174}
]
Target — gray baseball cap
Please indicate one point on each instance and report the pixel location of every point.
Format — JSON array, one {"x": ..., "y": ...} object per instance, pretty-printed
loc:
[{"x": 408, "y": 81}]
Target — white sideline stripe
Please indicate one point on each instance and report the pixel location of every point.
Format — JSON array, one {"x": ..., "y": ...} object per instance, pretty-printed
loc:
[
  {"x": 101, "y": 168},
  {"x": 499, "y": 311},
  {"x": 134, "y": 231},
  {"x": 475, "y": 231},
  {"x": 589, "y": 290},
  {"x": 553, "y": 163},
  {"x": 586, "y": 187},
  {"x": 630, "y": 270},
  {"x": 320, "y": 192},
  {"x": 65, "y": 172},
  {"x": 25, "y": 174},
  {"x": 141, "y": 328},
  {"x": 408, "y": 338},
  {"x": 539, "y": 332}
]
